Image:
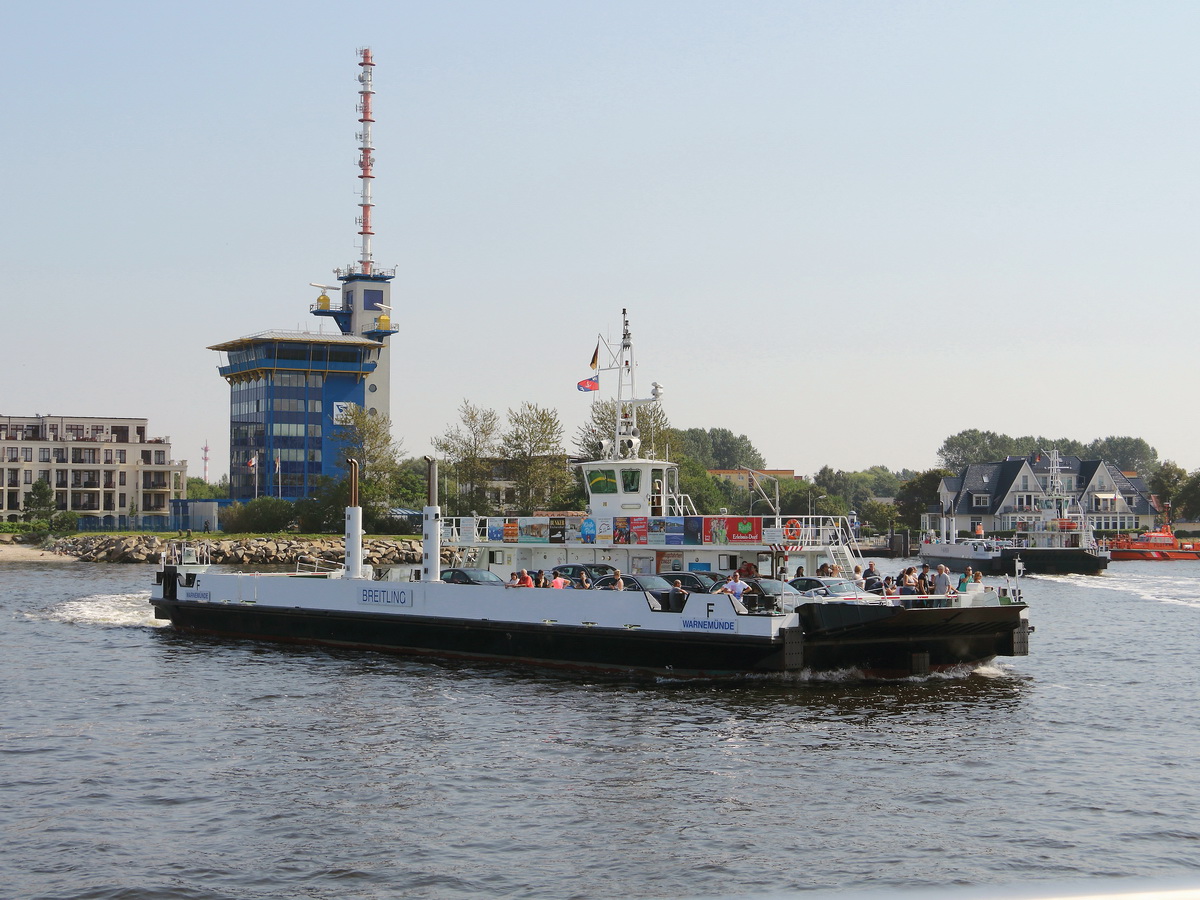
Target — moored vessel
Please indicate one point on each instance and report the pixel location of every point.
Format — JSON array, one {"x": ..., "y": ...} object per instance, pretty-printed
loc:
[
  {"x": 1053, "y": 538},
  {"x": 1159, "y": 545}
]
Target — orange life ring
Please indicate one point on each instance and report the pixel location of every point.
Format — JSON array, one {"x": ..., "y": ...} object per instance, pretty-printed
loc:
[{"x": 791, "y": 530}]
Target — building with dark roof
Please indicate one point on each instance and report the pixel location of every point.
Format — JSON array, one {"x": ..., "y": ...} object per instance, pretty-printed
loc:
[{"x": 1000, "y": 496}]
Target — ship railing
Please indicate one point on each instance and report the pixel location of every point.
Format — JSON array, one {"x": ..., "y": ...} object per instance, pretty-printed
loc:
[
  {"x": 187, "y": 554},
  {"x": 315, "y": 565}
]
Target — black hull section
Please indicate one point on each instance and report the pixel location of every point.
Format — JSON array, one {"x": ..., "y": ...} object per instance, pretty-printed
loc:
[
  {"x": 914, "y": 641},
  {"x": 879, "y": 641},
  {"x": 1052, "y": 561},
  {"x": 651, "y": 652}
]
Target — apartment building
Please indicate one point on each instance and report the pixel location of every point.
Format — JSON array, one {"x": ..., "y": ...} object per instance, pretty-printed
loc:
[{"x": 98, "y": 467}]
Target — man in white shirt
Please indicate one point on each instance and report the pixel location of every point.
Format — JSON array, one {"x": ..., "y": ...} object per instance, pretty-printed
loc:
[
  {"x": 735, "y": 586},
  {"x": 941, "y": 582}
]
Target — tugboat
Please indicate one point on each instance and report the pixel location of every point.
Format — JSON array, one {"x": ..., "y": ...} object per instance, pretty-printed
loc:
[{"x": 637, "y": 521}]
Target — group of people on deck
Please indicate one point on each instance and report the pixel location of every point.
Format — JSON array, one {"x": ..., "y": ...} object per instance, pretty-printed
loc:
[
  {"x": 542, "y": 580},
  {"x": 911, "y": 583}
]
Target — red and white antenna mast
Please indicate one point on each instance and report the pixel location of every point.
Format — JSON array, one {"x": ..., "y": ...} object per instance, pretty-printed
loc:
[{"x": 365, "y": 160}]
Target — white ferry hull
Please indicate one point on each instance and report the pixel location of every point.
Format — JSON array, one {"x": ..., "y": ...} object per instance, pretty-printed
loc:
[{"x": 607, "y": 631}]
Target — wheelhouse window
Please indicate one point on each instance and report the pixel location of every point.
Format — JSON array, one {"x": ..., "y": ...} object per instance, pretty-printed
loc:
[
  {"x": 602, "y": 481},
  {"x": 631, "y": 480}
]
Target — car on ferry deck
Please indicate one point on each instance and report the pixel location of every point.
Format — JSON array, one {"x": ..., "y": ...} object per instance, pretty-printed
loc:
[
  {"x": 765, "y": 594},
  {"x": 471, "y": 576},
  {"x": 574, "y": 571},
  {"x": 829, "y": 587},
  {"x": 655, "y": 585},
  {"x": 694, "y": 581}
]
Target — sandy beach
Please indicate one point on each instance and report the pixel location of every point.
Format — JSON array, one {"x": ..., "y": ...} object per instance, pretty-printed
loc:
[{"x": 26, "y": 553}]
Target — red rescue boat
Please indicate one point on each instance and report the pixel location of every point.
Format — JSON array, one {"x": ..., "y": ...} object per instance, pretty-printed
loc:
[{"x": 1161, "y": 544}]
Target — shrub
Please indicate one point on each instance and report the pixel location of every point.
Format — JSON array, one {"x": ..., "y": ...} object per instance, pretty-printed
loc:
[
  {"x": 266, "y": 514},
  {"x": 66, "y": 522}
]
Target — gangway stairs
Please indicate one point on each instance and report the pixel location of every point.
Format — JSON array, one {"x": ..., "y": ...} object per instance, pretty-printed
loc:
[{"x": 842, "y": 557}]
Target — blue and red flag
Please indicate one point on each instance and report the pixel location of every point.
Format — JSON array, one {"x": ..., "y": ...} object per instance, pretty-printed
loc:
[{"x": 589, "y": 384}]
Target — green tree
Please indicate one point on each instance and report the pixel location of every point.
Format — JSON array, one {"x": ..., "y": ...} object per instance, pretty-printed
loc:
[
  {"x": 884, "y": 482},
  {"x": 975, "y": 446},
  {"x": 1129, "y": 454},
  {"x": 534, "y": 456},
  {"x": 264, "y": 515},
  {"x": 411, "y": 488},
  {"x": 471, "y": 448},
  {"x": 653, "y": 427},
  {"x": 1185, "y": 502},
  {"x": 694, "y": 443},
  {"x": 1167, "y": 482},
  {"x": 731, "y": 451},
  {"x": 324, "y": 510},
  {"x": 701, "y": 487},
  {"x": 65, "y": 522},
  {"x": 39, "y": 501},
  {"x": 852, "y": 487},
  {"x": 199, "y": 489},
  {"x": 368, "y": 439},
  {"x": 917, "y": 495},
  {"x": 880, "y": 516}
]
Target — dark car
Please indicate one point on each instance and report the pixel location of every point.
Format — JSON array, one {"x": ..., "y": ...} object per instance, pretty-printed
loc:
[
  {"x": 471, "y": 576},
  {"x": 656, "y": 585},
  {"x": 767, "y": 595},
  {"x": 574, "y": 571},
  {"x": 694, "y": 581}
]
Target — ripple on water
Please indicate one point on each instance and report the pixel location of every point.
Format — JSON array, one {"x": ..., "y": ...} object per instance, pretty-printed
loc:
[{"x": 141, "y": 763}]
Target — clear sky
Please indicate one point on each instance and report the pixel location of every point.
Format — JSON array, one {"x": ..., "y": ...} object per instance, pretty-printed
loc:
[{"x": 845, "y": 229}]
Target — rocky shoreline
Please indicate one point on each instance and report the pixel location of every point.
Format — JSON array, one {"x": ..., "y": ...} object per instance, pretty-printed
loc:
[{"x": 146, "y": 548}]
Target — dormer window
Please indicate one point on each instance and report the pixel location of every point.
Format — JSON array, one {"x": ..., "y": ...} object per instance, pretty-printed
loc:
[{"x": 981, "y": 501}]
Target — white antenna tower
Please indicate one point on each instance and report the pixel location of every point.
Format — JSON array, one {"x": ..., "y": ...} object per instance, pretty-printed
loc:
[
  {"x": 204, "y": 457},
  {"x": 365, "y": 160}
]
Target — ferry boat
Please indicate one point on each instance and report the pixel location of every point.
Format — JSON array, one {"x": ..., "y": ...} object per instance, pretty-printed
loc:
[
  {"x": 1055, "y": 539},
  {"x": 637, "y": 520}
]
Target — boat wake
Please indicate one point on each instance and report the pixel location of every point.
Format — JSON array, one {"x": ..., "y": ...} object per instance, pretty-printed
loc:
[
  {"x": 1158, "y": 587},
  {"x": 108, "y": 610}
]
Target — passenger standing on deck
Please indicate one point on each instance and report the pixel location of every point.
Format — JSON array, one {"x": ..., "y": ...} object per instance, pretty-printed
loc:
[
  {"x": 924, "y": 581},
  {"x": 965, "y": 580},
  {"x": 734, "y": 586},
  {"x": 677, "y": 598},
  {"x": 941, "y": 582},
  {"x": 584, "y": 581},
  {"x": 524, "y": 580},
  {"x": 559, "y": 582},
  {"x": 618, "y": 582},
  {"x": 871, "y": 580}
]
